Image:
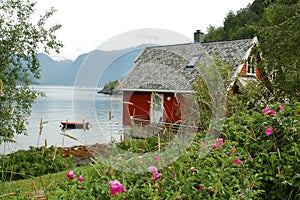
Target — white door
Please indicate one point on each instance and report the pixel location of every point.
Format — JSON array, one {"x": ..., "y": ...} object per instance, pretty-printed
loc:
[{"x": 157, "y": 106}]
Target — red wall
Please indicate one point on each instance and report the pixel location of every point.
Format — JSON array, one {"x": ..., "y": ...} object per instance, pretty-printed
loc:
[
  {"x": 139, "y": 106},
  {"x": 172, "y": 111},
  {"x": 258, "y": 74},
  {"x": 244, "y": 70}
]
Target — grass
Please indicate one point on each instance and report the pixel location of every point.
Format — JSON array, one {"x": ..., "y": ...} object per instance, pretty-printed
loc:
[{"x": 31, "y": 186}]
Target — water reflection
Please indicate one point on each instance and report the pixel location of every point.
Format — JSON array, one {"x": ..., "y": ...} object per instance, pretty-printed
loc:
[{"x": 73, "y": 104}]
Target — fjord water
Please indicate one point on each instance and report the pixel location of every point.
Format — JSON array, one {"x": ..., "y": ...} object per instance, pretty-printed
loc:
[{"x": 70, "y": 103}]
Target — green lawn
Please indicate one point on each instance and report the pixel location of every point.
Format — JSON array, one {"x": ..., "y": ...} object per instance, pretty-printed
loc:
[{"x": 27, "y": 187}]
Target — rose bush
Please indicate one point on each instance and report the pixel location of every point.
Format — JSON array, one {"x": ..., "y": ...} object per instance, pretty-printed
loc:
[{"x": 247, "y": 161}]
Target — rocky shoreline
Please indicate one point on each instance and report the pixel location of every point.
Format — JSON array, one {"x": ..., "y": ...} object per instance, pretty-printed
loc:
[{"x": 84, "y": 154}]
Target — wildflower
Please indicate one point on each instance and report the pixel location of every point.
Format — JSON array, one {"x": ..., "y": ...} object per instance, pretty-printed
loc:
[
  {"x": 237, "y": 161},
  {"x": 80, "y": 178},
  {"x": 106, "y": 171},
  {"x": 193, "y": 170},
  {"x": 241, "y": 195},
  {"x": 200, "y": 187},
  {"x": 267, "y": 110},
  {"x": 156, "y": 158},
  {"x": 268, "y": 131},
  {"x": 70, "y": 175},
  {"x": 153, "y": 169},
  {"x": 220, "y": 140},
  {"x": 213, "y": 188},
  {"x": 281, "y": 108},
  {"x": 156, "y": 176},
  {"x": 203, "y": 143},
  {"x": 116, "y": 187},
  {"x": 175, "y": 173},
  {"x": 216, "y": 146}
]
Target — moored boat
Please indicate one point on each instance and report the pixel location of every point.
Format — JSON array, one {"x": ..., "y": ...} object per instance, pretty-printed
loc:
[{"x": 74, "y": 125}]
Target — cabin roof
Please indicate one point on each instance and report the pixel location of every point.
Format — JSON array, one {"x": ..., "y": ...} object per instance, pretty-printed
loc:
[{"x": 170, "y": 68}]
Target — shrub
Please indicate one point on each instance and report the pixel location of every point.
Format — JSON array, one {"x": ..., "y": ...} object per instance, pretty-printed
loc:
[
  {"x": 256, "y": 157},
  {"x": 271, "y": 138},
  {"x": 33, "y": 162}
]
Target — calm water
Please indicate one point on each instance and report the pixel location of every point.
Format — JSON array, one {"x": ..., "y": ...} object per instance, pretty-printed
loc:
[{"x": 73, "y": 104}]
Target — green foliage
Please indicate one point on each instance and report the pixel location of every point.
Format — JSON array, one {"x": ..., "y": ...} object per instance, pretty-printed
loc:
[
  {"x": 31, "y": 163},
  {"x": 279, "y": 46},
  {"x": 275, "y": 158},
  {"x": 246, "y": 164},
  {"x": 142, "y": 145},
  {"x": 111, "y": 85},
  {"x": 20, "y": 40},
  {"x": 276, "y": 24},
  {"x": 239, "y": 25},
  {"x": 214, "y": 34},
  {"x": 134, "y": 144}
]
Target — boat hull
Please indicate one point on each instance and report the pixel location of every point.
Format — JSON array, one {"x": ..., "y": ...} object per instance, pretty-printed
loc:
[{"x": 74, "y": 125}]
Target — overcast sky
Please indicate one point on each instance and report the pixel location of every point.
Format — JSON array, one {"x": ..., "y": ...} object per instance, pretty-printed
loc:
[{"x": 88, "y": 24}]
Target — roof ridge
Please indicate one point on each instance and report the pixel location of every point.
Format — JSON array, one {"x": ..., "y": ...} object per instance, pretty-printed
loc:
[{"x": 198, "y": 43}]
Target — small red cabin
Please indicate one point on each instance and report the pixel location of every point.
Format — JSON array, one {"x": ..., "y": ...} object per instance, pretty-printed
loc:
[{"x": 156, "y": 90}]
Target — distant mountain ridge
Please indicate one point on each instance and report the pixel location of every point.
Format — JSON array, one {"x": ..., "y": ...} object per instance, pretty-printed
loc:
[{"x": 64, "y": 72}]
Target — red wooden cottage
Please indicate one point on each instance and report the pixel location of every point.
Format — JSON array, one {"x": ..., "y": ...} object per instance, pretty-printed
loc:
[{"x": 154, "y": 91}]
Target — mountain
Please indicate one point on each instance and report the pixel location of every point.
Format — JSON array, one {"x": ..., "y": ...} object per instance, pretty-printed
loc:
[
  {"x": 95, "y": 68},
  {"x": 54, "y": 72}
]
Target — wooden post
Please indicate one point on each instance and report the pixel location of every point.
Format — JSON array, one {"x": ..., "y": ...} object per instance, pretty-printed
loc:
[
  {"x": 110, "y": 115},
  {"x": 158, "y": 142}
]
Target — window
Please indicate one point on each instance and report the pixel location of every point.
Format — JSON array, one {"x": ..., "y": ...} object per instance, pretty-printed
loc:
[
  {"x": 193, "y": 61},
  {"x": 157, "y": 101},
  {"x": 251, "y": 66}
]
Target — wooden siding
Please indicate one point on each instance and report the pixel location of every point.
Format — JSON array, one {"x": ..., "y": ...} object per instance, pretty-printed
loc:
[
  {"x": 258, "y": 74},
  {"x": 244, "y": 70},
  {"x": 137, "y": 105},
  {"x": 172, "y": 111}
]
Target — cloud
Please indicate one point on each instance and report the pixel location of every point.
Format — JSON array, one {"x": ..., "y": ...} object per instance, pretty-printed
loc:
[{"x": 143, "y": 36}]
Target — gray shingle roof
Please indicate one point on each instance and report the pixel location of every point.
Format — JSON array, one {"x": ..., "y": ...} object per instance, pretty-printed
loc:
[{"x": 164, "y": 67}]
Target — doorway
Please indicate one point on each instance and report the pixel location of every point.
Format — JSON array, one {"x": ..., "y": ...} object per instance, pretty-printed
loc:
[{"x": 157, "y": 107}]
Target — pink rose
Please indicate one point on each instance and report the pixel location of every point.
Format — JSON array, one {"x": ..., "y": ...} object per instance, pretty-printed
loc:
[
  {"x": 237, "y": 161},
  {"x": 153, "y": 169},
  {"x": 220, "y": 140},
  {"x": 80, "y": 178},
  {"x": 281, "y": 108},
  {"x": 156, "y": 158},
  {"x": 156, "y": 176},
  {"x": 200, "y": 187},
  {"x": 268, "y": 131},
  {"x": 116, "y": 187},
  {"x": 70, "y": 175}
]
